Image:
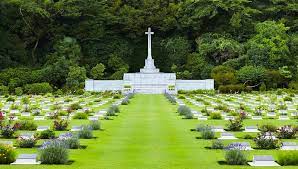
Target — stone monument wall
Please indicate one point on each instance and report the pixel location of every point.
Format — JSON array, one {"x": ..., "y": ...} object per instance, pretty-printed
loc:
[
  {"x": 103, "y": 85},
  {"x": 207, "y": 84}
]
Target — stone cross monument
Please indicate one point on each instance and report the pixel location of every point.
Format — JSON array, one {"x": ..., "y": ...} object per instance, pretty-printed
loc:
[{"x": 149, "y": 62}]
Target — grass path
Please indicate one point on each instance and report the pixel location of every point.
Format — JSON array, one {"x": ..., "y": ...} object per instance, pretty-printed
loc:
[{"x": 147, "y": 134}]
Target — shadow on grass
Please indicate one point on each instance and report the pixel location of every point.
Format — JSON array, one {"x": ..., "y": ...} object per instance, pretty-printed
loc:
[{"x": 83, "y": 147}]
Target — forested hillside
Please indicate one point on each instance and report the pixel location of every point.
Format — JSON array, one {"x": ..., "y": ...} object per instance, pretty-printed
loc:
[{"x": 62, "y": 42}]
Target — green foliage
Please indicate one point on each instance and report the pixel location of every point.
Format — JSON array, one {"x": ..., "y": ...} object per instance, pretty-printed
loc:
[
  {"x": 268, "y": 128},
  {"x": 46, "y": 134},
  {"x": 217, "y": 144},
  {"x": 38, "y": 88},
  {"x": 288, "y": 158},
  {"x": 18, "y": 91},
  {"x": 54, "y": 152},
  {"x": 215, "y": 115},
  {"x": 8, "y": 154},
  {"x": 266, "y": 141},
  {"x": 76, "y": 77},
  {"x": 27, "y": 125},
  {"x": 97, "y": 72},
  {"x": 207, "y": 133},
  {"x": 75, "y": 106},
  {"x": 4, "y": 90},
  {"x": 235, "y": 125},
  {"x": 80, "y": 116},
  {"x": 251, "y": 75},
  {"x": 223, "y": 75},
  {"x": 85, "y": 133},
  {"x": 95, "y": 125},
  {"x": 236, "y": 157},
  {"x": 26, "y": 142}
]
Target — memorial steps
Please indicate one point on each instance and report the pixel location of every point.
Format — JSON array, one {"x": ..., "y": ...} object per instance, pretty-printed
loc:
[{"x": 150, "y": 88}]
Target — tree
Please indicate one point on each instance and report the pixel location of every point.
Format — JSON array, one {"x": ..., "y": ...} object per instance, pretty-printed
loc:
[
  {"x": 223, "y": 75},
  {"x": 217, "y": 48},
  {"x": 177, "y": 49},
  {"x": 268, "y": 48},
  {"x": 251, "y": 75},
  {"x": 97, "y": 72},
  {"x": 76, "y": 77}
]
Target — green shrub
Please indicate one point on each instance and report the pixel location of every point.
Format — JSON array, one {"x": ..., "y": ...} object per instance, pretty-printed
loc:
[
  {"x": 181, "y": 97},
  {"x": 18, "y": 91},
  {"x": 8, "y": 154},
  {"x": 235, "y": 125},
  {"x": 80, "y": 116},
  {"x": 60, "y": 125},
  {"x": 217, "y": 144},
  {"x": 202, "y": 127},
  {"x": 125, "y": 101},
  {"x": 188, "y": 115},
  {"x": 288, "y": 98},
  {"x": 286, "y": 132},
  {"x": 27, "y": 125},
  {"x": 85, "y": 133},
  {"x": 215, "y": 115},
  {"x": 94, "y": 125},
  {"x": 10, "y": 99},
  {"x": 75, "y": 106},
  {"x": 266, "y": 141},
  {"x": 26, "y": 142},
  {"x": 46, "y": 134},
  {"x": 38, "y": 88},
  {"x": 235, "y": 157},
  {"x": 115, "y": 109},
  {"x": 247, "y": 136},
  {"x": 207, "y": 134},
  {"x": 183, "y": 110},
  {"x": 117, "y": 96},
  {"x": 4, "y": 90},
  {"x": 53, "y": 152},
  {"x": 288, "y": 158},
  {"x": 268, "y": 128},
  {"x": 232, "y": 88}
]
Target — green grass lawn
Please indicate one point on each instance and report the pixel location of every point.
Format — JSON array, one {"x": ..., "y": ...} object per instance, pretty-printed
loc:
[{"x": 147, "y": 134}]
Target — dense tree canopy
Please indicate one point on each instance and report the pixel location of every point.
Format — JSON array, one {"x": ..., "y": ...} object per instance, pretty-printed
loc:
[{"x": 56, "y": 41}]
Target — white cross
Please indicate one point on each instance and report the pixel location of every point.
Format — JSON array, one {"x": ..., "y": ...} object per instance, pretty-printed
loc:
[{"x": 149, "y": 33}]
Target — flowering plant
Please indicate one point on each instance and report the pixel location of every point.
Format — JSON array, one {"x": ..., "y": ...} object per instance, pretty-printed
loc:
[
  {"x": 26, "y": 141},
  {"x": 286, "y": 132},
  {"x": 8, "y": 130}
]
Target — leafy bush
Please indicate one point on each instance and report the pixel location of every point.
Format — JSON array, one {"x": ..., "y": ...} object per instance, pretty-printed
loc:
[
  {"x": 183, "y": 110},
  {"x": 80, "y": 116},
  {"x": 286, "y": 132},
  {"x": 85, "y": 133},
  {"x": 125, "y": 101},
  {"x": 238, "y": 88},
  {"x": 188, "y": 115},
  {"x": 38, "y": 88},
  {"x": 60, "y": 124},
  {"x": 94, "y": 125},
  {"x": 71, "y": 141},
  {"x": 27, "y": 125},
  {"x": 288, "y": 98},
  {"x": 235, "y": 157},
  {"x": 202, "y": 127},
  {"x": 8, "y": 130},
  {"x": 181, "y": 97},
  {"x": 114, "y": 108},
  {"x": 268, "y": 128},
  {"x": 18, "y": 91},
  {"x": 8, "y": 154},
  {"x": 117, "y": 96},
  {"x": 4, "y": 90},
  {"x": 266, "y": 141},
  {"x": 208, "y": 133},
  {"x": 26, "y": 142},
  {"x": 217, "y": 144},
  {"x": 46, "y": 134},
  {"x": 53, "y": 152},
  {"x": 235, "y": 125},
  {"x": 247, "y": 136},
  {"x": 75, "y": 106},
  {"x": 288, "y": 158},
  {"x": 215, "y": 115},
  {"x": 10, "y": 99}
]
